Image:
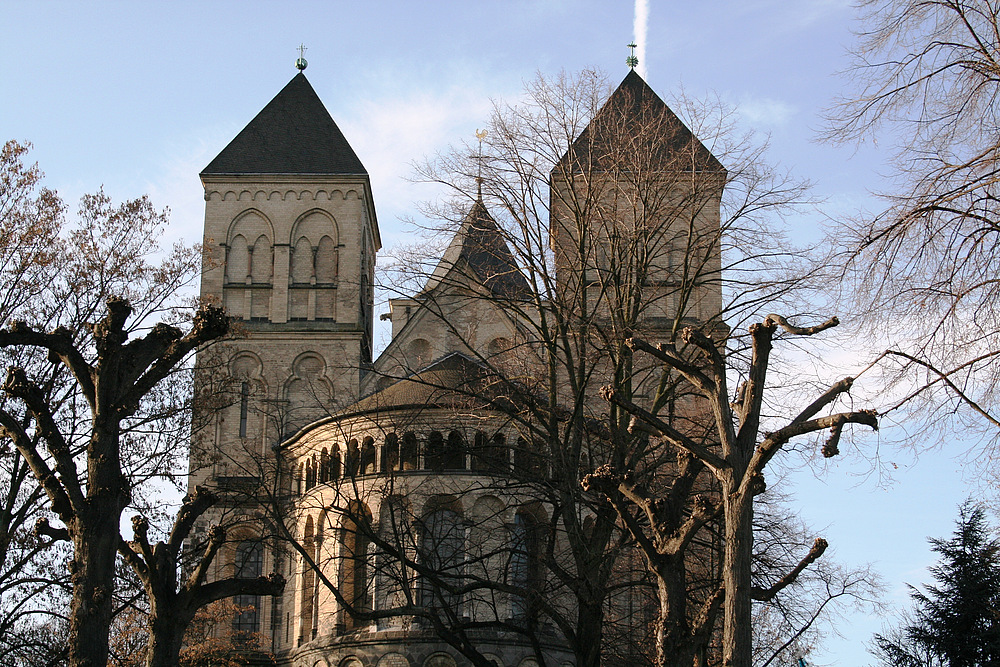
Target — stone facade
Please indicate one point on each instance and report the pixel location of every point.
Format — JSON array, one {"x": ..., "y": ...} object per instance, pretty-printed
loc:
[{"x": 413, "y": 456}]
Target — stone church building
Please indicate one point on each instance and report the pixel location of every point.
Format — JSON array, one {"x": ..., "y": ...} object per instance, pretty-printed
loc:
[{"x": 398, "y": 495}]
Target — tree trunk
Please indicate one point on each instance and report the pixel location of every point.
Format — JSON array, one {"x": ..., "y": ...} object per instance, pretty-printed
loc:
[
  {"x": 95, "y": 542},
  {"x": 674, "y": 647},
  {"x": 590, "y": 620},
  {"x": 737, "y": 553},
  {"x": 166, "y": 638},
  {"x": 96, "y": 533}
]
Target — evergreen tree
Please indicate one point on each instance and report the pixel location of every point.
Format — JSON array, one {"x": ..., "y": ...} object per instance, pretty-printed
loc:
[{"x": 957, "y": 622}]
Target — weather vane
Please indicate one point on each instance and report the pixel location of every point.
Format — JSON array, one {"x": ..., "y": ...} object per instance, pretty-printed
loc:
[
  {"x": 480, "y": 134},
  {"x": 301, "y": 63},
  {"x": 632, "y": 61}
]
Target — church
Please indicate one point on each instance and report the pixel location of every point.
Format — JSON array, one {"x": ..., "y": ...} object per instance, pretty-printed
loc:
[{"x": 424, "y": 505}]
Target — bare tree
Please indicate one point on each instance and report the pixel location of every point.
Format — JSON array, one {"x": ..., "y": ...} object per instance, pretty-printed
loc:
[
  {"x": 113, "y": 384},
  {"x": 595, "y": 218},
  {"x": 737, "y": 459},
  {"x": 30, "y": 572},
  {"x": 174, "y": 600},
  {"x": 95, "y": 397},
  {"x": 924, "y": 83}
]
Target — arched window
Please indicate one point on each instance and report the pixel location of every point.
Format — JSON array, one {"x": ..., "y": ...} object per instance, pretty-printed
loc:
[
  {"x": 324, "y": 467},
  {"x": 454, "y": 452},
  {"x": 249, "y": 564},
  {"x": 528, "y": 460},
  {"x": 442, "y": 551},
  {"x": 441, "y": 454},
  {"x": 300, "y": 277},
  {"x": 307, "y": 603},
  {"x": 368, "y": 455},
  {"x": 392, "y": 578},
  {"x": 334, "y": 464},
  {"x": 244, "y": 407},
  {"x": 353, "y": 458},
  {"x": 302, "y": 262},
  {"x": 260, "y": 270},
  {"x": 490, "y": 456},
  {"x": 326, "y": 278},
  {"x": 355, "y": 544},
  {"x": 326, "y": 261},
  {"x": 238, "y": 261},
  {"x": 523, "y": 564},
  {"x": 260, "y": 261},
  {"x": 242, "y": 413},
  {"x": 408, "y": 452},
  {"x": 312, "y": 290},
  {"x": 306, "y": 393},
  {"x": 246, "y": 290},
  {"x": 434, "y": 453},
  {"x": 390, "y": 453}
]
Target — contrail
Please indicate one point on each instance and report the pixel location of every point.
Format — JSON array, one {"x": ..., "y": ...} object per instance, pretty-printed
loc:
[{"x": 640, "y": 26}]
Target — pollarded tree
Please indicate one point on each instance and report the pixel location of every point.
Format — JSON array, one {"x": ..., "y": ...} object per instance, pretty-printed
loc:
[
  {"x": 736, "y": 453},
  {"x": 175, "y": 598},
  {"x": 113, "y": 383},
  {"x": 96, "y": 398},
  {"x": 957, "y": 622}
]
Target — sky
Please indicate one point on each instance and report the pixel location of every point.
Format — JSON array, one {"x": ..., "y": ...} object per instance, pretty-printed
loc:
[{"x": 137, "y": 98}]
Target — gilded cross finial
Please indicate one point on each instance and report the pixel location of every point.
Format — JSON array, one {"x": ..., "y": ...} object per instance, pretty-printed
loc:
[
  {"x": 632, "y": 61},
  {"x": 301, "y": 63}
]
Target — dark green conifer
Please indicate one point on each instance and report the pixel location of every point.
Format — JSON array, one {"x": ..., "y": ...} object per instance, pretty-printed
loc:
[{"x": 955, "y": 623}]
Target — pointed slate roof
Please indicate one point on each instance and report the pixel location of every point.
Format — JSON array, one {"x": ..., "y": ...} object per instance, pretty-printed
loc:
[
  {"x": 481, "y": 245},
  {"x": 636, "y": 112},
  {"x": 293, "y": 134}
]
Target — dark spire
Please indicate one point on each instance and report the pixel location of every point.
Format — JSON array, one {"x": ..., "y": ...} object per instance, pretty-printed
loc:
[
  {"x": 293, "y": 134},
  {"x": 634, "y": 112},
  {"x": 481, "y": 245}
]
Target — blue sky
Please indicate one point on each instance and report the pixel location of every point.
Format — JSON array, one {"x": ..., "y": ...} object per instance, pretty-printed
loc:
[{"x": 138, "y": 97}]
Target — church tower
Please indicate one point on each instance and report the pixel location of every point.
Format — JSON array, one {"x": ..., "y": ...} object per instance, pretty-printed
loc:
[
  {"x": 290, "y": 242},
  {"x": 633, "y": 199},
  {"x": 635, "y": 228}
]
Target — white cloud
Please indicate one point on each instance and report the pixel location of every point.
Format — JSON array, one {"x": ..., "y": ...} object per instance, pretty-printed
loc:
[
  {"x": 390, "y": 134},
  {"x": 766, "y": 111}
]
